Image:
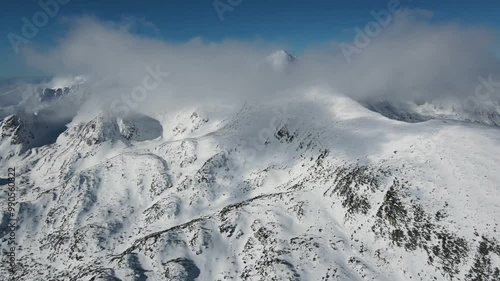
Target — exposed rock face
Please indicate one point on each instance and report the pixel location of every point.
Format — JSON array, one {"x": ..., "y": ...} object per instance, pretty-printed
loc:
[
  {"x": 15, "y": 130},
  {"x": 47, "y": 94}
]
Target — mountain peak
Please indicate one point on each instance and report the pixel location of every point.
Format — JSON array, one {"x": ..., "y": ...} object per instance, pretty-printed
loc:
[{"x": 280, "y": 59}]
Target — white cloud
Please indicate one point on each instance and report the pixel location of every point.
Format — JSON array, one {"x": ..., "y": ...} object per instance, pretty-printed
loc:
[{"x": 414, "y": 56}]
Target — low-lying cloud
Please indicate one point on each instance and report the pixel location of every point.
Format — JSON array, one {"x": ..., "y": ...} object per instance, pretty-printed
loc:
[{"x": 415, "y": 56}]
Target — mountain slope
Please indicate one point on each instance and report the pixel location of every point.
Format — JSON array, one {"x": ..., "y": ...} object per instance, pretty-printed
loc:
[{"x": 314, "y": 188}]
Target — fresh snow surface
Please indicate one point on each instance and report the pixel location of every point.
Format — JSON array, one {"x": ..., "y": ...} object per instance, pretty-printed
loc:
[{"x": 313, "y": 188}]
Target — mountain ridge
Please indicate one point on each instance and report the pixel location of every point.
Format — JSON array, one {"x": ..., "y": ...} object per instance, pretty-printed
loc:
[{"x": 335, "y": 191}]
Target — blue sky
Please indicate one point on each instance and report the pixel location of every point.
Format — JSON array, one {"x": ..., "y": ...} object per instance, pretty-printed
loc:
[{"x": 295, "y": 24}]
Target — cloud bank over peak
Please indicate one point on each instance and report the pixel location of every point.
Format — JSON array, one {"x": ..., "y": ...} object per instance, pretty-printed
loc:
[
  {"x": 418, "y": 56},
  {"x": 412, "y": 57}
]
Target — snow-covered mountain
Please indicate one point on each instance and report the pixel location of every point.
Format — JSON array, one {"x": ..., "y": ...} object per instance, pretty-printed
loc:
[
  {"x": 318, "y": 187},
  {"x": 280, "y": 59},
  {"x": 37, "y": 114},
  {"x": 487, "y": 112}
]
